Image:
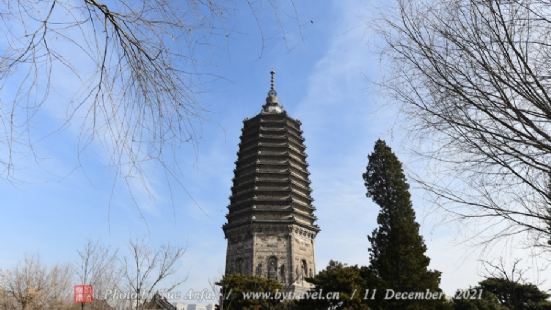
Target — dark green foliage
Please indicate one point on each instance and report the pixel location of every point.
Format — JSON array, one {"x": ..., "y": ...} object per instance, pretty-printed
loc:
[
  {"x": 503, "y": 294},
  {"x": 487, "y": 301},
  {"x": 516, "y": 295},
  {"x": 397, "y": 253},
  {"x": 234, "y": 285},
  {"x": 348, "y": 281}
]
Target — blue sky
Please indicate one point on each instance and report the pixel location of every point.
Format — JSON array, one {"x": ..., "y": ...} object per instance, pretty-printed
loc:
[{"x": 326, "y": 64}]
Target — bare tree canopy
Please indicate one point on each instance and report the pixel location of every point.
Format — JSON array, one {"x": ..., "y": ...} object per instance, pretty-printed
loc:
[
  {"x": 145, "y": 268},
  {"x": 119, "y": 71},
  {"x": 32, "y": 285},
  {"x": 475, "y": 78},
  {"x": 97, "y": 267},
  {"x": 127, "y": 280}
]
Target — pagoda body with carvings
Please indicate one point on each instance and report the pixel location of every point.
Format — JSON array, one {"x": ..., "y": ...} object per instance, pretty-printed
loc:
[{"x": 270, "y": 222}]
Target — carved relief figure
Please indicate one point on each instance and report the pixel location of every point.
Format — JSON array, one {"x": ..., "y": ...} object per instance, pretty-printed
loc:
[
  {"x": 304, "y": 270},
  {"x": 259, "y": 269},
  {"x": 272, "y": 267}
]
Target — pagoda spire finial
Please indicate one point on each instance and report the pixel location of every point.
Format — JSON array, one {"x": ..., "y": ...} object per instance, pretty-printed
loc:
[
  {"x": 272, "y": 81},
  {"x": 272, "y": 92},
  {"x": 272, "y": 103}
]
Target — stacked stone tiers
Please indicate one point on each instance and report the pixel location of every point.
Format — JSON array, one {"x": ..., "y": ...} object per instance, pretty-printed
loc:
[{"x": 271, "y": 183}]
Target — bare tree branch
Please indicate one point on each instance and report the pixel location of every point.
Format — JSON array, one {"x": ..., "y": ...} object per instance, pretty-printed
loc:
[
  {"x": 145, "y": 269},
  {"x": 475, "y": 78},
  {"x": 32, "y": 285}
]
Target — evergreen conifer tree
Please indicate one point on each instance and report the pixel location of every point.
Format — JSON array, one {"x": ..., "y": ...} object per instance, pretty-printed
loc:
[{"x": 397, "y": 253}]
